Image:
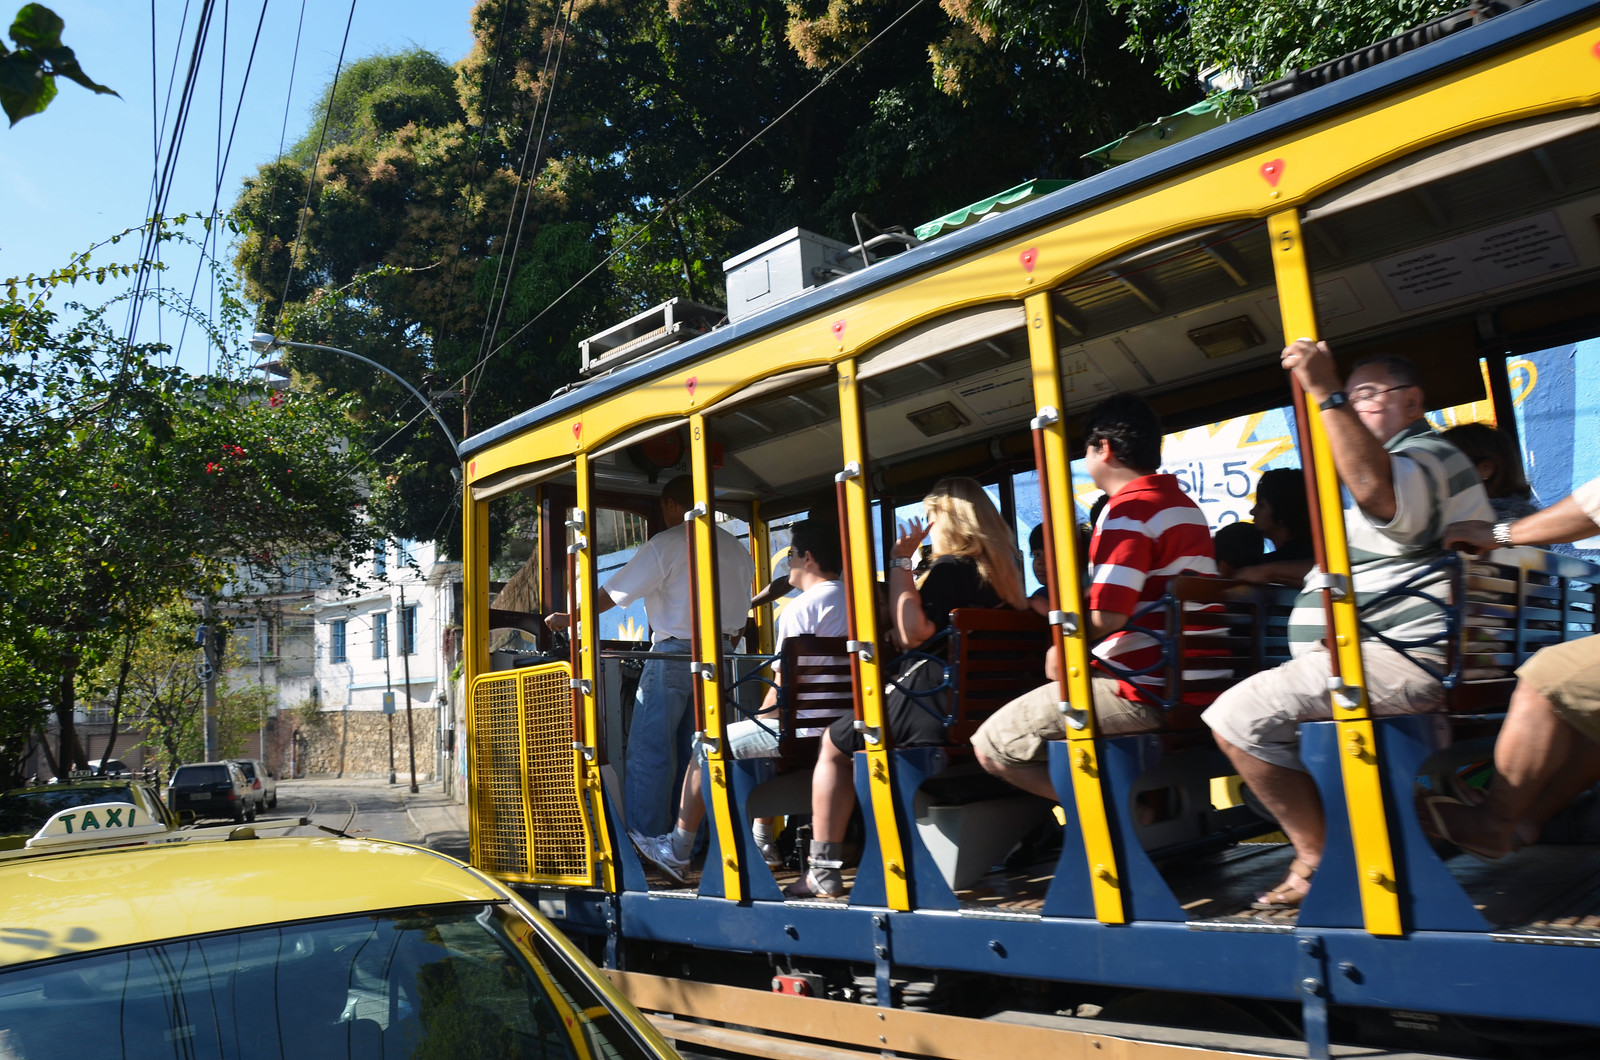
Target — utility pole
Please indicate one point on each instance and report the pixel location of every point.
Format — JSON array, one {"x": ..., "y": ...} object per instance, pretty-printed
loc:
[
  {"x": 405, "y": 661},
  {"x": 208, "y": 648},
  {"x": 388, "y": 699}
]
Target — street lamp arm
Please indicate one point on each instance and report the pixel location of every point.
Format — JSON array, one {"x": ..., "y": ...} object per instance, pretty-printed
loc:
[{"x": 275, "y": 341}]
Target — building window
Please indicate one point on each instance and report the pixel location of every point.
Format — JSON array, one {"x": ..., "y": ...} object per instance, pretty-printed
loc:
[
  {"x": 380, "y": 635},
  {"x": 339, "y": 649},
  {"x": 406, "y": 552},
  {"x": 408, "y": 630},
  {"x": 380, "y": 560}
]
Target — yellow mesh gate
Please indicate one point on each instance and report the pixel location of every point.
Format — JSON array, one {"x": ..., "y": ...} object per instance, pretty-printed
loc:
[{"x": 527, "y": 821}]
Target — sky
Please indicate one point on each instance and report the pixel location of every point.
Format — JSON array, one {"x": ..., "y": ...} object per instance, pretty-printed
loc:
[{"x": 82, "y": 171}]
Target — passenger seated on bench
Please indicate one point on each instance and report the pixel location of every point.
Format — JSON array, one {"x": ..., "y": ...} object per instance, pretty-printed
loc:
[
  {"x": 975, "y": 564},
  {"x": 1407, "y": 484},
  {"x": 1494, "y": 453},
  {"x": 1282, "y": 514},
  {"x": 1549, "y": 746},
  {"x": 1238, "y": 545},
  {"x": 819, "y": 610},
  {"x": 1151, "y": 532}
]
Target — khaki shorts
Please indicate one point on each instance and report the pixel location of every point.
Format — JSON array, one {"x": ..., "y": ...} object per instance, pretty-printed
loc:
[
  {"x": 1261, "y": 715},
  {"x": 1017, "y": 733},
  {"x": 1568, "y": 675}
]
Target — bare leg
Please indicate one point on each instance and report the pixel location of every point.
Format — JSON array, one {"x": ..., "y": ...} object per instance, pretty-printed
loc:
[
  {"x": 691, "y": 807},
  {"x": 1034, "y": 779},
  {"x": 1540, "y": 763},
  {"x": 1290, "y": 795},
  {"x": 833, "y": 793}
]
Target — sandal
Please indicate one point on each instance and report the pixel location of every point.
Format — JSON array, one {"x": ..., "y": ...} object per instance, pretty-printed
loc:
[
  {"x": 1442, "y": 831},
  {"x": 1286, "y": 896}
]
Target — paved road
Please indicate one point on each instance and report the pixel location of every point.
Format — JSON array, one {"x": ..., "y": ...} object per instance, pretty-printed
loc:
[{"x": 373, "y": 809}]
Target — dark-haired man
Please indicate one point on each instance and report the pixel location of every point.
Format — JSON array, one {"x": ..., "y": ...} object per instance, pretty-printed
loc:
[
  {"x": 1403, "y": 484},
  {"x": 819, "y": 610},
  {"x": 659, "y": 736},
  {"x": 1149, "y": 533}
]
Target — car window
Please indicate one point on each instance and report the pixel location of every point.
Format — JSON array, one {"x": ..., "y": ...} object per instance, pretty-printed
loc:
[
  {"x": 27, "y": 811},
  {"x": 201, "y": 775},
  {"x": 450, "y": 984},
  {"x": 248, "y": 769}
]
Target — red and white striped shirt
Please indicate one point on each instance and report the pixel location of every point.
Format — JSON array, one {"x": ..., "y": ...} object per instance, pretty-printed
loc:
[{"x": 1149, "y": 533}]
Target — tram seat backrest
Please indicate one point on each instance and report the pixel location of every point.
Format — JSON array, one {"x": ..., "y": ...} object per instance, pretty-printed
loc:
[
  {"x": 995, "y": 656},
  {"x": 814, "y": 674}
]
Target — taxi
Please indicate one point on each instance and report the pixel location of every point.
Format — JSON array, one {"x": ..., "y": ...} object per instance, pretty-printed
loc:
[
  {"x": 230, "y": 944},
  {"x": 23, "y": 811}
]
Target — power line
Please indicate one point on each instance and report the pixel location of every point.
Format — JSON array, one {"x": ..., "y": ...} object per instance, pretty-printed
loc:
[
  {"x": 311, "y": 180},
  {"x": 665, "y": 209}
]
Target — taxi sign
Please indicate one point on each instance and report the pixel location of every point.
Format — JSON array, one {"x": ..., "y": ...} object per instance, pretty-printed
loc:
[{"x": 96, "y": 823}]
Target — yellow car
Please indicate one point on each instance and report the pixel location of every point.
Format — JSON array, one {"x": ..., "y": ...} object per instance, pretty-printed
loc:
[
  {"x": 24, "y": 811},
  {"x": 285, "y": 948}
]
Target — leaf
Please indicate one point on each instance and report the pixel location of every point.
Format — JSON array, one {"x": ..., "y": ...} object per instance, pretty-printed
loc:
[{"x": 37, "y": 27}]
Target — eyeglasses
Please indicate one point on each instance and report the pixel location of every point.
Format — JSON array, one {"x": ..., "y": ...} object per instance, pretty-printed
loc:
[{"x": 1368, "y": 395}]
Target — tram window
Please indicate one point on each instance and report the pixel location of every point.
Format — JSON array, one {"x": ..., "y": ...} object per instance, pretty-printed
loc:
[{"x": 618, "y": 534}]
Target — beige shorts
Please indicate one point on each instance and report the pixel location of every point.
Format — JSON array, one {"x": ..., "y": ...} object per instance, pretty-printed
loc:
[
  {"x": 1016, "y": 734},
  {"x": 1261, "y": 715},
  {"x": 1568, "y": 675}
]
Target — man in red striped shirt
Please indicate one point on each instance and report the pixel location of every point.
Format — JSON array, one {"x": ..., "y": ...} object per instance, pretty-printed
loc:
[{"x": 1149, "y": 533}]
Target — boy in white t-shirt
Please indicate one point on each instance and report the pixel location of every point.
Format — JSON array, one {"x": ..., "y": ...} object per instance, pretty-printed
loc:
[{"x": 820, "y": 611}]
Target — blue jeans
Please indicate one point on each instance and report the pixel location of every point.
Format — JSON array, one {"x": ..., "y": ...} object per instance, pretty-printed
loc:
[{"x": 659, "y": 742}]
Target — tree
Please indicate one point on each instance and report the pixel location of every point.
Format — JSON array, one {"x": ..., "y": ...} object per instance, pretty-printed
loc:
[
  {"x": 131, "y": 481},
  {"x": 458, "y": 218},
  {"x": 1264, "y": 41},
  {"x": 29, "y": 70}
]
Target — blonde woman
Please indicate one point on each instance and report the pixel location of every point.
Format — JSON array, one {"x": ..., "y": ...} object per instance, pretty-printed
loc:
[{"x": 974, "y": 563}]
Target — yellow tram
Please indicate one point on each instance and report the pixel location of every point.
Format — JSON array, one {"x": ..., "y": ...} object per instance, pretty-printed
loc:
[{"x": 1442, "y": 204}]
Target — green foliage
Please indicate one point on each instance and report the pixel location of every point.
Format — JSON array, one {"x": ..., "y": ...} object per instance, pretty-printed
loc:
[
  {"x": 130, "y": 481},
  {"x": 378, "y": 96},
  {"x": 29, "y": 70},
  {"x": 1264, "y": 40}
]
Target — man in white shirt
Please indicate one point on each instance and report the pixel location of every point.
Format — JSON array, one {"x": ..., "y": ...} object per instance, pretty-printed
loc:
[
  {"x": 819, "y": 610},
  {"x": 658, "y": 747}
]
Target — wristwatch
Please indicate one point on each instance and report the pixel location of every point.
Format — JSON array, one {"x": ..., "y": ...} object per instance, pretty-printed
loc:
[
  {"x": 1502, "y": 533},
  {"x": 903, "y": 562},
  {"x": 1334, "y": 400}
]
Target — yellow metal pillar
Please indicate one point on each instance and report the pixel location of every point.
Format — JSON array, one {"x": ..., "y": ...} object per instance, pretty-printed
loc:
[
  {"x": 856, "y": 511},
  {"x": 586, "y": 715},
  {"x": 761, "y": 553},
  {"x": 474, "y": 635},
  {"x": 1069, "y": 617},
  {"x": 701, "y": 521},
  {"x": 1363, "y": 787}
]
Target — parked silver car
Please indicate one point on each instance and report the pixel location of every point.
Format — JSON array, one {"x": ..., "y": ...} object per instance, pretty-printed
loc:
[{"x": 261, "y": 781}]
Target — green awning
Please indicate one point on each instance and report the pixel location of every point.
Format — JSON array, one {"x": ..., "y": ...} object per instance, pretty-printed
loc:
[
  {"x": 1153, "y": 136},
  {"x": 1022, "y": 193}
]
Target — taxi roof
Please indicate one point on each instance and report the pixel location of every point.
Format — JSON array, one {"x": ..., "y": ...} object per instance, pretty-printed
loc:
[{"x": 102, "y": 899}]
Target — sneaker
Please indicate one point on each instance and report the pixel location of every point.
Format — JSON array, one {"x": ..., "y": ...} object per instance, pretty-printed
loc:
[
  {"x": 770, "y": 855},
  {"x": 657, "y": 849}
]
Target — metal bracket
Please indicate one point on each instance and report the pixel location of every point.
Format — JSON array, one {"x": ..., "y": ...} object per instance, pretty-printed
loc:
[
  {"x": 863, "y": 647},
  {"x": 870, "y": 733},
  {"x": 851, "y": 470},
  {"x": 1076, "y": 719},
  {"x": 1346, "y": 696},
  {"x": 1311, "y": 969},
  {"x": 703, "y": 670},
  {"x": 1067, "y": 620},
  {"x": 1337, "y": 584},
  {"x": 577, "y": 521},
  {"x": 579, "y": 684},
  {"x": 882, "y": 966},
  {"x": 588, "y": 752},
  {"x": 710, "y": 743},
  {"x": 577, "y": 546},
  {"x": 695, "y": 513},
  {"x": 1047, "y": 416}
]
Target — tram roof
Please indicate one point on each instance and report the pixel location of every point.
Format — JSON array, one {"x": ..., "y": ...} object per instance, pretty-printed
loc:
[{"x": 1496, "y": 34}]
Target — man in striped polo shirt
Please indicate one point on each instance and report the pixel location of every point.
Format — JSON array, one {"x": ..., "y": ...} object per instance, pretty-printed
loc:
[
  {"x": 1402, "y": 485},
  {"x": 1149, "y": 533}
]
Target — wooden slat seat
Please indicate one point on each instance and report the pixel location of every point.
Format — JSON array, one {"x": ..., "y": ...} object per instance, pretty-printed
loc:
[
  {"x": 994, "y": 656},
  {"x": 814, "y": 691}
]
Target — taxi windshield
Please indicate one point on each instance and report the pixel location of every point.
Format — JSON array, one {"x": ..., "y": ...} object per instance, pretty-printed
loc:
[
  {"x": 451, "y": 983},
  {"x": 27, "y": 811}
]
